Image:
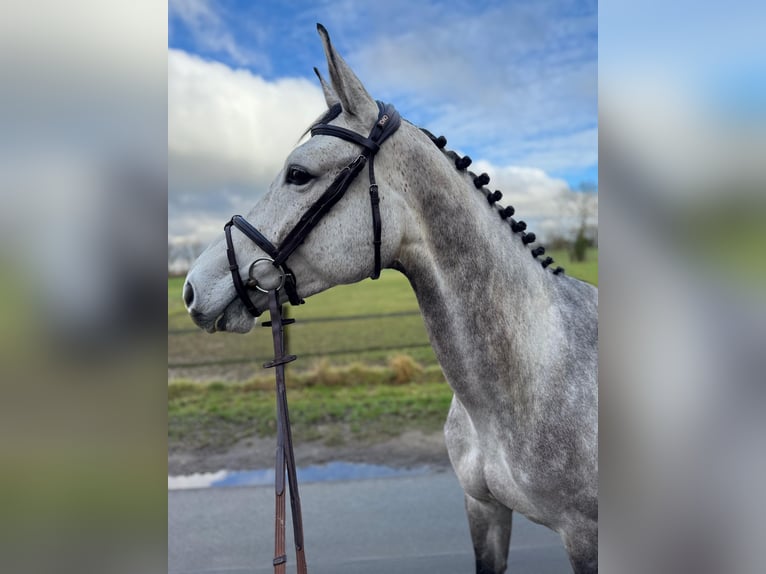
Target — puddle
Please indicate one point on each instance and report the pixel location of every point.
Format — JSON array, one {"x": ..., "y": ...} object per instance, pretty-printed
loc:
[{"x": 314, "y": 473}]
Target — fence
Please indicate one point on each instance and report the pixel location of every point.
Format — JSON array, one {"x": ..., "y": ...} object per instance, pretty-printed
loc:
[{"x": 369, "y": 338}]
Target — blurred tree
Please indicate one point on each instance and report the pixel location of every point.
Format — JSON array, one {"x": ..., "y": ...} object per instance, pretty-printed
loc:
[{"x": 582, "y": 207}]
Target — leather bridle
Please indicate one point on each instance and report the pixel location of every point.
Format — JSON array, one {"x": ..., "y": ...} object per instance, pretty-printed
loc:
[{"x": 387, "y": 123}]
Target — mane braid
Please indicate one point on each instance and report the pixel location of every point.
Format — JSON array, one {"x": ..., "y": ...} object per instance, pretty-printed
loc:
[{"x": 479, "y": 181}]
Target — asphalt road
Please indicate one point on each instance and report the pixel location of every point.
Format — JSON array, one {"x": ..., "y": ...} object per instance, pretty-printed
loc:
[{"x": 392, "y": 525}]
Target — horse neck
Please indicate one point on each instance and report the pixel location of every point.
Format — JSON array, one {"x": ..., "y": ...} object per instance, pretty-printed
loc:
[{"x": 485, "y": 300}]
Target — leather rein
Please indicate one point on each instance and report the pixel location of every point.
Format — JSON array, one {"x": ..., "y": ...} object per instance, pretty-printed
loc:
[{"x": 387, "y": 123}]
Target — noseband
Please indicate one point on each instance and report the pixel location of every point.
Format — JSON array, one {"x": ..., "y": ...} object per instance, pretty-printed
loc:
[{"x": 387, "y": 123}]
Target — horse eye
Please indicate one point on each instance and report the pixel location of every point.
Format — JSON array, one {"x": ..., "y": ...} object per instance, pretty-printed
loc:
[{"x": 298, "y": 176}]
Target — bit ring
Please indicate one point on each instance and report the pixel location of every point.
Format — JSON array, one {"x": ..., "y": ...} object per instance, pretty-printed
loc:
[{"x": 253, "y": 282}]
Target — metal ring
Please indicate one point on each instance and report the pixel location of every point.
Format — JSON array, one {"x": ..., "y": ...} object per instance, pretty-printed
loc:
[{"x": 253, "y": 282}]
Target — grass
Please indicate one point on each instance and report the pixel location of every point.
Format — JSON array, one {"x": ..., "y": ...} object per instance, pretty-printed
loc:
[
  {"x": 363, "y": 402},
  {"x": 337, "y": 392},
  {"x": 586, "y": 270},
  {"x": 391, "y": 294},
  {"x": 193, "y": 354},
  {"x": 378, "y": 337}
]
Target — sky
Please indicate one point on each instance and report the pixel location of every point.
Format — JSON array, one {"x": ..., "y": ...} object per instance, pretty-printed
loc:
[{"x": 512, "y": 84}]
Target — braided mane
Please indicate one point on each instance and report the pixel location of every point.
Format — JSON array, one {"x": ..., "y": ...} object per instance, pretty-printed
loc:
[{"x": 479, "y": 181}]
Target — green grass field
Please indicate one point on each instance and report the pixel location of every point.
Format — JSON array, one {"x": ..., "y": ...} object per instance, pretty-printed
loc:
[
  {"x": 341, "y": 389},
  {"x": 216, "y": 415},
  {"x": 193, "y": 354},
  {"x": 222, "y": 353}
]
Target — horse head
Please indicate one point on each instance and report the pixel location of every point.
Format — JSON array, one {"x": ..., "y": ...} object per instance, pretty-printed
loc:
[{"x": 317, "y": 219}]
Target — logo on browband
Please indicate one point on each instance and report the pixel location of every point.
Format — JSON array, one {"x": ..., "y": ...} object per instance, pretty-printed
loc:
[{"x": 382, "y": 121}]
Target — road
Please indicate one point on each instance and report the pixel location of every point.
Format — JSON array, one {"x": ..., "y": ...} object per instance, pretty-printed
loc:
[{"x": 377, "y": 526}]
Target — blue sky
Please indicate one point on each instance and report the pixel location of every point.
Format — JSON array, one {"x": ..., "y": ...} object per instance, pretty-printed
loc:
[{"x": 511, "y": 83}]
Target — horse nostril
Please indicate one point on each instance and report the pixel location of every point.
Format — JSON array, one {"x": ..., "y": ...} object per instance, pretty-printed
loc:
[{"x": 188, "y": 294}]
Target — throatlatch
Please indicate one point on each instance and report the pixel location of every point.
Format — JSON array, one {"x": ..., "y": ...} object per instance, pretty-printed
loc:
[{"x": 285, "y": 459}]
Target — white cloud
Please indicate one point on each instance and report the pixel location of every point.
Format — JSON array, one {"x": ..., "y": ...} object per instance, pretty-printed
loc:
[
  {"x": 229, "y": 132},
  {"x": 532, "y": 192},
  {"x": 196, "y": 226},
  {"x": 229, "y": 127},
  {"x": 546, "y": 203}
]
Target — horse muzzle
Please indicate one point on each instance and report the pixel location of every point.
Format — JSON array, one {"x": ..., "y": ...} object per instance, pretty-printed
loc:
[{"x": 205, "y": 309}]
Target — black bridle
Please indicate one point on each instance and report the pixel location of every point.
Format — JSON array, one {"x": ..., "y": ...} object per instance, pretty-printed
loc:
[{"x": 387, "y": 123}]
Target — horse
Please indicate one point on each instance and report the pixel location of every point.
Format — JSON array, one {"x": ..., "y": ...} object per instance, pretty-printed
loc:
[{"x": 516, "y": 339}]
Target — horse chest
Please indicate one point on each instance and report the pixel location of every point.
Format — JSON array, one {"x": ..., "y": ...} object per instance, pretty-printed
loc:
[{"x": 501, "y": 465}]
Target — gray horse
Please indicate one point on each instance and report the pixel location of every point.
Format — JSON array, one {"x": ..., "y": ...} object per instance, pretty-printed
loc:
[{"x": 516, "y": 341}]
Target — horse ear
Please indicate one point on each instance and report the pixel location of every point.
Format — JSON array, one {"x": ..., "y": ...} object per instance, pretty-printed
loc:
[
  {"x": 353, "y": 97},
  {"x": 329, "y": 94}
]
